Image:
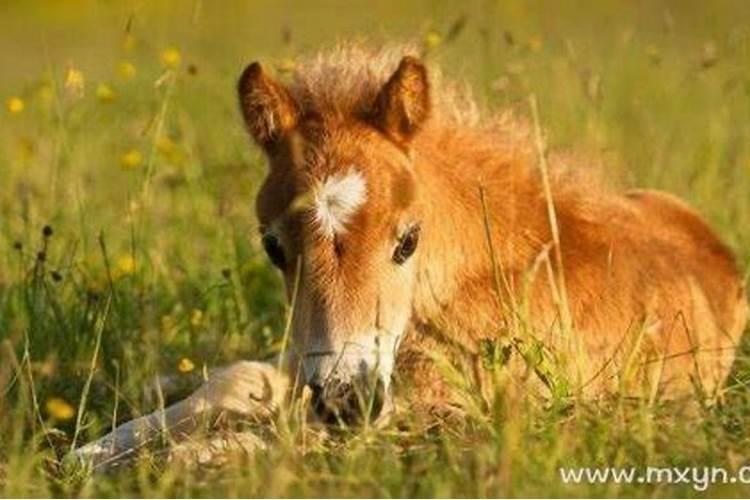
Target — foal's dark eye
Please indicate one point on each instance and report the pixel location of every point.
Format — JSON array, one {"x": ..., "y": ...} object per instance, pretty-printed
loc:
[
  {"x": 407, "y": 244},
  {"x": 275, "y": 252}
]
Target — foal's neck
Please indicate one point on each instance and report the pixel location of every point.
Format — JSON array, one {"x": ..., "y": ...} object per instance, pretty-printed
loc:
[{"x": 481, "y": 210}]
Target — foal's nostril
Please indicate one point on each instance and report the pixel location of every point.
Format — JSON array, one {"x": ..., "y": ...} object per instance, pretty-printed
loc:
[
  {"x": 317, "y": 391},
  {"x": 346, "y": 403}
]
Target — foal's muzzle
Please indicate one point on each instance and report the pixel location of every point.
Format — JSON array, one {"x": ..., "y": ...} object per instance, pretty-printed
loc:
[{"x": 348, "y": 403}]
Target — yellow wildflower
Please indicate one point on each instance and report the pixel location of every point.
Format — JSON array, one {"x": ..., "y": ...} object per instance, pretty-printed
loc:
[
  {"x": 171, "y": 58},
  {"x": 432, "y": 39},
  {"x": 126, "y": 70},
  {"x": 74, "y": 82},
  {"x": 59, "y": 409},
  {"x": 131, "y": 160},
  {"x": 125, "y": 265},
  {"x": 14, "y": 105},
  {"x": 105, "y": 93},
  {"x": 196, "y": 317},
  {"x": 185, "y": 365}
]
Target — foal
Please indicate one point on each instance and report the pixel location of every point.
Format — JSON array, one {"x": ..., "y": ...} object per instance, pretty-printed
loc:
[{"x": 408, "y": 229}]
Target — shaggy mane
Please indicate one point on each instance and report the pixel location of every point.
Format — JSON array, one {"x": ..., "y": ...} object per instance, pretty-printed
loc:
[{"x": 345, "y": 80}]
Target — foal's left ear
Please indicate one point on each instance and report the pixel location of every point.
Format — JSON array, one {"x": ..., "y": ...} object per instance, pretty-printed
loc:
[
  {"x": 268, "y": 108},
  {"x": 403, "y": 104}
]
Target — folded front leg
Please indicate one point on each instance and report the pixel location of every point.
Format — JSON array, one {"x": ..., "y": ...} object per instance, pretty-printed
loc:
[{"x": 250, "y": 389}]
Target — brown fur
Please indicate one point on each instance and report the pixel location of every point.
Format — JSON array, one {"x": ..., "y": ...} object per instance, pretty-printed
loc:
[
  {"x": 642, "y": 260},
  {"x": 646, "y": 292}
]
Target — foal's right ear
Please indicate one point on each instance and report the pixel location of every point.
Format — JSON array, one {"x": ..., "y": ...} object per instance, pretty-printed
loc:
[
  {"x": 403, "y": 104},
  {"x": 268, "y": 108}
]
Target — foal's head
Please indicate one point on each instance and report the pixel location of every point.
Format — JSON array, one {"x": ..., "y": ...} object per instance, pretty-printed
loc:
[{"x": 339, "y": 216}]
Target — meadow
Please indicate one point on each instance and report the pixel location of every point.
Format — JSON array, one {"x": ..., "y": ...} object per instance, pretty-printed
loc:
[{"x": 129, "y": 250}]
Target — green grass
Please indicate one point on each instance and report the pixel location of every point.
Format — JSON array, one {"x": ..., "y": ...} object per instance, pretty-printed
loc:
[{"x": 155, "y": 252}]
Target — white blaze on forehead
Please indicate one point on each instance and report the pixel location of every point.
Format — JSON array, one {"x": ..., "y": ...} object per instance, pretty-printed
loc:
[{"x": 337, "y": 199}]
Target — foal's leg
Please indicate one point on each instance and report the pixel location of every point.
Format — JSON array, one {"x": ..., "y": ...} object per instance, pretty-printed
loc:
[{"x": 251, "y": 389}]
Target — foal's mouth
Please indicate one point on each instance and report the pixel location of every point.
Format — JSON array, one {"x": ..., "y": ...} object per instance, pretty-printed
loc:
[
  {"x": 349, "y": 385},
  {"x": 349, "y": 404}
]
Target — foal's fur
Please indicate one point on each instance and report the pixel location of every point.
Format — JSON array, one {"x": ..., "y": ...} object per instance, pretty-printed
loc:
[{"x": 367, "y": 148}]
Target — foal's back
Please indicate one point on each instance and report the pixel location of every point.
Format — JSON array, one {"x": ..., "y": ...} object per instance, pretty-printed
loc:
[{"x": 647, "y": 274}]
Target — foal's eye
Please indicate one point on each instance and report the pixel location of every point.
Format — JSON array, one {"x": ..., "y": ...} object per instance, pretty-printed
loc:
[
  {"x": 275, "y": 252},
  {"x": 407, "y": 244}
]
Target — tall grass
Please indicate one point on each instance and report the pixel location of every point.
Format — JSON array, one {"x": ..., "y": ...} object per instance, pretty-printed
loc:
[{"x": 127, "y": 238}]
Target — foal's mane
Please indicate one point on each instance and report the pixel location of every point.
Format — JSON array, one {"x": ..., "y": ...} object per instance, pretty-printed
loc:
[{"x": 344, "y": 80}]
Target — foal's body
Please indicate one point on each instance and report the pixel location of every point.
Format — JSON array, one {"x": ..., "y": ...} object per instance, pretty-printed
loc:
[{"x": 647, "y": 292}]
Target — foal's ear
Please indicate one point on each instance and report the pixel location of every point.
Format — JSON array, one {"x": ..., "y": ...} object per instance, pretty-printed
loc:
[
  {"x": 268, "y": 108},
  {"x": 403, "y": 103}
]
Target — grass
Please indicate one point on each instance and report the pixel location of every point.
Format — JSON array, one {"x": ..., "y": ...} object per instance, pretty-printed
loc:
[{"x": 121, "y": 135}]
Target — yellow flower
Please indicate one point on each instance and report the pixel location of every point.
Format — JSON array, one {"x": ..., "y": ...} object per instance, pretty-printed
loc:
[
  {"x": 196, "y": 317},
  {"x": 59, "y": 409},
  {"x": 171, "y": 58},
  {"x": 432, "y": 39},
  {"x": 125, "y": 265},
  {"x": 74, "y": 82},
  {"x": 131, "y": 160},
  {"x": 15, "y": 105},
  {"x": 105, "y": 93},
  {"x": 185, "y": 365},
  {"x": 126, "y": 70}
]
